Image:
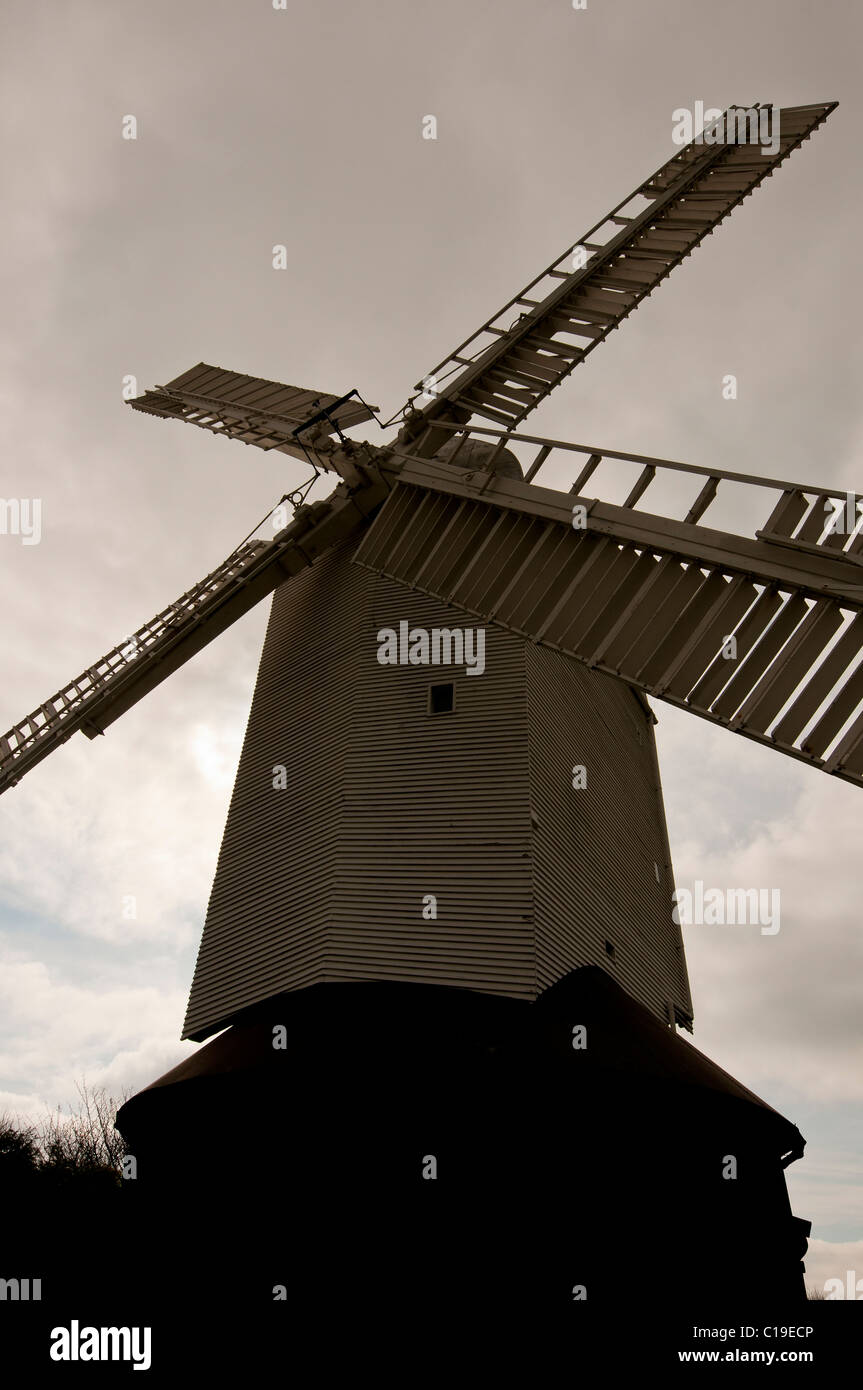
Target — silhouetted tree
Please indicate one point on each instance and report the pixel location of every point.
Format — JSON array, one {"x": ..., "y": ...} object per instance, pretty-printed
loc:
[{"x": 80, "y": 1146}]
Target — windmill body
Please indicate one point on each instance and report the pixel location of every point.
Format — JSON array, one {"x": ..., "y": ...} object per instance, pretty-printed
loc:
[{"x": 387, "y": 804}]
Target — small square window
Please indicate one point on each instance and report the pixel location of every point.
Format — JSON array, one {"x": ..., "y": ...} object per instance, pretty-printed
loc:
[{"x": 442, "y": 699}]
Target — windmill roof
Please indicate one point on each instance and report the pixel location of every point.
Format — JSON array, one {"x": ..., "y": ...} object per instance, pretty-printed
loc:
[{"x": 627, "y": 1044}]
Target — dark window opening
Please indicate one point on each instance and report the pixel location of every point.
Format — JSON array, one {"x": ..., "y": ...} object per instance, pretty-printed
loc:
[
  {"x": 609, "y": 949},
  {"x": 442, "y": 699}
]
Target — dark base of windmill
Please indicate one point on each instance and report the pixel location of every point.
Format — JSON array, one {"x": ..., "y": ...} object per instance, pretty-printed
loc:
[
  {"x": 436, "y": 1154},
  {"x": 375, "y": 1141}
]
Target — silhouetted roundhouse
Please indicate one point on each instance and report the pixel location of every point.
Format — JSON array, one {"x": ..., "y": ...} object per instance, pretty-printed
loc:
[{"x": 606, "y": 1166}]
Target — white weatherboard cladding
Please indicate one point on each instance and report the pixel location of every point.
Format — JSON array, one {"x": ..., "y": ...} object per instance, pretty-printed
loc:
[
  {"x": 596, "y": 850},
  {"x": 386, "y": 804}
]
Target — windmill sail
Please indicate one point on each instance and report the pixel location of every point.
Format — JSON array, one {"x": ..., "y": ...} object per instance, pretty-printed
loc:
[
  {"x": 793, "y": 594},
  {"x": 651, "y": 599},
  {"x": 531, "y": 345},
  {"x": 250, "y": 408},
  {"x": 128, "y": 672}
]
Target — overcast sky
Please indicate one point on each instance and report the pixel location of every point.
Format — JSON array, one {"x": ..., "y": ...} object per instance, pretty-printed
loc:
[{"x": 303, "y": 127}]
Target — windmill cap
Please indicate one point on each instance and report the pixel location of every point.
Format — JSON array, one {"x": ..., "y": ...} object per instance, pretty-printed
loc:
[{"x": 476, "y": 454}]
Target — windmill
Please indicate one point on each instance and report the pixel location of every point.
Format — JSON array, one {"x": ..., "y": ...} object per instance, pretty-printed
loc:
[{"x": 496, "y": 843}]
